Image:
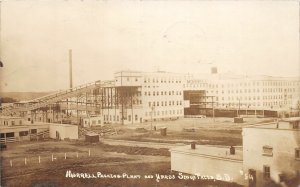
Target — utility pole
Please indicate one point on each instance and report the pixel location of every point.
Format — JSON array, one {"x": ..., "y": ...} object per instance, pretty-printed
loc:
[
  {"x": 1, "y": 64},
  {"x": 152, "y": 109},
  {"x": 239, "y": 107},
  {"x": 70, "y": 69},
  {"x": 213, "y": 108}
]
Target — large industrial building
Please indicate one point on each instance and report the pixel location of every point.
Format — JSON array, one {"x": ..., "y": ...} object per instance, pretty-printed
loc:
[
  {"x": 136, "y": 97},
  {"x": 242, "y": 95}
]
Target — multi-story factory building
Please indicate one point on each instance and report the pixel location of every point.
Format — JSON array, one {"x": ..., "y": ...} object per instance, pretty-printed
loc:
[
  {"x": 159, "y": 95},
  {"x": 252, "y": 93},
  {"x": 136, "y": 97}
]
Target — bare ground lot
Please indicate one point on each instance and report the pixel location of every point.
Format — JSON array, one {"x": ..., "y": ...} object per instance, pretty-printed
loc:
[
  {"x": 221, "y": 131},
  {"x": 133, "y": 150}
]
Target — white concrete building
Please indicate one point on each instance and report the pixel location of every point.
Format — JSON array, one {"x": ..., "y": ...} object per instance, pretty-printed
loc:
[
  {"x": 14, "y": 129},
  {"x": 11, "y": 121},
  {"x": 63, "y": 131},
  {"x": 270, "y": 155},
  {"x": 210, "y": 161},
  {"x": 232, "y": 91},
  {"x": 272, "y": 151},
  {"x": 92, "y": 121},
  {"x": 143, "y": 96}
]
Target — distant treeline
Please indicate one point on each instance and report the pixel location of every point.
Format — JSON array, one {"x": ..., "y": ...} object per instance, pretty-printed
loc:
[
  {"x": 7, "y": 100},
  {"x": 23, "y": 96}
]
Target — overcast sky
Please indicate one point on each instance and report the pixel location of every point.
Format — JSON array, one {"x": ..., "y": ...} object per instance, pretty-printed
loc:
[{"x": 245, "y": 37}]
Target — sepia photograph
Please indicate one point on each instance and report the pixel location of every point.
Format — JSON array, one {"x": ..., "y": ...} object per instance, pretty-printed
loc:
[{"x": 149, "y": 93}]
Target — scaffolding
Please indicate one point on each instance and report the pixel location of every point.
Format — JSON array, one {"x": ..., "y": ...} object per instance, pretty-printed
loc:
[{"x": 96, "y": 98}]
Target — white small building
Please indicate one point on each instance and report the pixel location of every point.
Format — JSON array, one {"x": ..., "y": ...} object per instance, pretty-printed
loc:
[
  {"x": 17, "y": 133},
  {"x": 209, "y": 161},
  {"x": 11, "y": 121},
  {"x": 272, "y": 151},
  {"x": 92, "y": 121},
  {"x": 63, "y": 131},
  {"x": 270, "y": 155}
]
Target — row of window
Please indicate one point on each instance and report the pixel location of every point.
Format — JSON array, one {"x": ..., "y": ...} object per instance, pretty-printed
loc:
[
  {"x": 157, "y": 93},
  {"x": 248, "y": 104},
  {"x": 113, "y": 102},
  {"x": 164, "y": 112},
  {"x": 128, "y": 79},
  {"x": 161, "y": 80},
  {"x": 255, "y": 97},
  {"x": 165, "y": 103},
  {"x": 117, "y": 118},
  {"x": 267, "y": 90},
  {"x": 199, "y": 85},
  {"x": 13, "y": 122}
]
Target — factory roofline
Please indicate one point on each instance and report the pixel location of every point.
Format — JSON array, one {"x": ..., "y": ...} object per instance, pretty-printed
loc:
[{"x": 214, "y": 152}]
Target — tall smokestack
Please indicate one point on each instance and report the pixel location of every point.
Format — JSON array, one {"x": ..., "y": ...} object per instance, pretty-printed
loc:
[{"x": 70, "y": 70}]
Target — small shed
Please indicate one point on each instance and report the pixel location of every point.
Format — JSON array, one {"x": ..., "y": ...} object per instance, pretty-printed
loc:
[
  {"x": 92, "y": 137},
  {"x": 163, "y": 131}
]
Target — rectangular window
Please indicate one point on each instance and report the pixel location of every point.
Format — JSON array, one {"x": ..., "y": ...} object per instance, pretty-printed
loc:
[
  {"x": 297, "y": 153},
  {"x": 295, "y": 125},
  {"x": 23, "y": 133},
  {"x": 33, "y": 131},
  {"x": 281, "y": 177},
  {"x": 129, "y": 117},
  {"x": 267, "y": 172},
  {"x": 267, "y": 150},
  {"x": 136, "y": 117},
  {"x": 10, "y": 134}
]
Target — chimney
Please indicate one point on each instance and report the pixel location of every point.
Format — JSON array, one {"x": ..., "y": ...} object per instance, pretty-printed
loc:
[
  {"x": 232, "y": 150},
  {"x": 193, "y": 145}
]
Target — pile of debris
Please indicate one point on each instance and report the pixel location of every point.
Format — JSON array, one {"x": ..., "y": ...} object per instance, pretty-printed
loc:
[{"x": 105, "y": 130}]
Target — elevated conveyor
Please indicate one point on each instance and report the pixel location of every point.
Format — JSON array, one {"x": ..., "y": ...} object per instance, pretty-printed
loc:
[{"x": 44, "y": 101}]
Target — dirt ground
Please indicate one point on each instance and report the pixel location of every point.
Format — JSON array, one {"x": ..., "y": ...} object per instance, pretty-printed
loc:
[
  {"x": 218, "y": 131},
  {"x": 133, "y": 150}
]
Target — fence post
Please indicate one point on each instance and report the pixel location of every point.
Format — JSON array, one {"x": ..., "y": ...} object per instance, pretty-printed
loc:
[
  {"x": 89, "y": 152},
  {"x": 11, "y": 163},
  {"x": 77, "y": 154},
  {"x": 52, "y": 158},
  {"x": 65, "y": 155},
  {"x": 25, "y": 161},
  {"x": 39, "y": 159}
]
